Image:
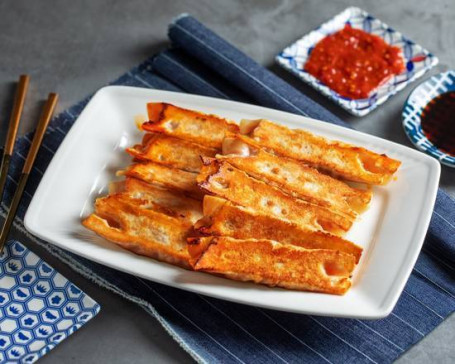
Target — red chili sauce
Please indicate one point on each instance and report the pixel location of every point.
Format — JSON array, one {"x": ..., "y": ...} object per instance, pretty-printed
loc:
[
  {"x": 353, "y": 62},
  {"x": 438, "y": 122}
]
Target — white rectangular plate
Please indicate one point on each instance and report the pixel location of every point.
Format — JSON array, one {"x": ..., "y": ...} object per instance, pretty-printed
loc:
[{"x": 391, "y": 231}]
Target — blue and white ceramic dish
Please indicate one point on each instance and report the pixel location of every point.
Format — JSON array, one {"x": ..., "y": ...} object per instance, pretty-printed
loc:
[
  {"x": 39, "y": 307},
  {"x": 412, "y": 111},
  {"x": 417, "y": 60}
]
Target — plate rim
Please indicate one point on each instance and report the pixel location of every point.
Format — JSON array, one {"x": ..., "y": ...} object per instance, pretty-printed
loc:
[{"x": 390, "y": 298}]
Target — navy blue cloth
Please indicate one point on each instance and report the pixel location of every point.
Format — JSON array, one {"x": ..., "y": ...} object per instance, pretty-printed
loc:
[
  {"x": 238, "y": 69},
  {"x": 212, "y": 330}
]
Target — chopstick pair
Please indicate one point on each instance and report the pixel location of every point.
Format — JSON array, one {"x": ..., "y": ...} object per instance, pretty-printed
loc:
[{"x": 43, "y": 122}]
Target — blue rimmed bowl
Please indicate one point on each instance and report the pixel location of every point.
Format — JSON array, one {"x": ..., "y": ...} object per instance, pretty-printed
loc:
[
  {"x": 417, "y": 59},
  {"x": 412, "y": 111}
]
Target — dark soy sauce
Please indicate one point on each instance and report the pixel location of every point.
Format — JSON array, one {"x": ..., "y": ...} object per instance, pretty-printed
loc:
[{"x": 438, "y": 122}]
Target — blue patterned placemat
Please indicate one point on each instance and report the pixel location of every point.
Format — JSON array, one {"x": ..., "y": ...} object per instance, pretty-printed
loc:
[
  {"x": 39, "y": 308},
  {"x": 211, "y": 330}
]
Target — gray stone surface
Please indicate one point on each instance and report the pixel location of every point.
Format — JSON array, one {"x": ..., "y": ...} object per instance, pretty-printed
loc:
[{"x": 75, "y": 47}]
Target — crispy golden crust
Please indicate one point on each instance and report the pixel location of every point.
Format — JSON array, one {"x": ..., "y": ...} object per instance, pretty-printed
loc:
[
  {"x": 273, "y": 264},
  {"x": 170, "y": 151},
  {"x": 141, "y": 230},
  {"x": 163, "y": 176},
  {"x": 194, "y": 126},
  {"x": 296, "y": 178},
  {"x": 168, "y": 202},
  {"x": 349, "y": 162},
  {"x": 222, "y": 179},
  {"x": 222, "y": 218}
]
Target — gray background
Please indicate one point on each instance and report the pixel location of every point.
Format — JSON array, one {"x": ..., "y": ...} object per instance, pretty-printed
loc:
[{"x": 75, "y": 47}]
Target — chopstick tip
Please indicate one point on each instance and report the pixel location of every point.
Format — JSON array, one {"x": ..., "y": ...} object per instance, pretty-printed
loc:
[{"x": 24, "y": 78}]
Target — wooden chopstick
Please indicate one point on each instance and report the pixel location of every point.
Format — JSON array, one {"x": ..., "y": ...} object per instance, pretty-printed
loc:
[
  {"x": 16, "y": 113},
  {"x": 46, "y": 115}
]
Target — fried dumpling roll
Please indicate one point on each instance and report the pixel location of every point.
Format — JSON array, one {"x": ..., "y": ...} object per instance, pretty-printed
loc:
[
  {"x": 169, "y": 202},
  {"x": 293, "y": 176},
  {"x": 197, "y": 127},
  {"x": 271, "y": 263},
  {"x": 347, "y": 161},
  {"x": 141, "y": 230},
  {"x": 222, "y": 179},
  {"x": 223, "y": 218},
  {"x": 170, "y": 151},
  {"x": 166, "y": 177}
]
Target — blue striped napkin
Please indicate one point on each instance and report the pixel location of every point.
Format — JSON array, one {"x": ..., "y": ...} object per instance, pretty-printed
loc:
[{"x": 212, "y": 330}]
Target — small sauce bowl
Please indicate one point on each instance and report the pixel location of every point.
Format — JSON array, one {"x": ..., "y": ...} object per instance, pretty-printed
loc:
[{"x": 418, "y": 99}]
